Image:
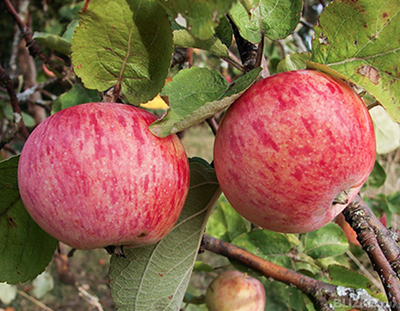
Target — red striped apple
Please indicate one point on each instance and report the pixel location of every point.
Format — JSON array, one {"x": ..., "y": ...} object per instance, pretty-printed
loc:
[
  {"x": 93, "y": 175},
  {"x": 235, "y": 291},
  {"x": 293, "y": 150}
]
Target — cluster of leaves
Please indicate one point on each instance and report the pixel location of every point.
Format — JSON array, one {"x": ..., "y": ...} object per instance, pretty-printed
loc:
[
  {"x": 320, "y": 254},
  {"x": 127, "y": 47}
]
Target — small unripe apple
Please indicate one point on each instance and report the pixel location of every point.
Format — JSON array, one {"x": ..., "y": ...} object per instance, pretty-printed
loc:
[
  {"x": 293, "y": 150},
  {"x": 93, "y": 175},
  {"x": 235, "y": 291}
]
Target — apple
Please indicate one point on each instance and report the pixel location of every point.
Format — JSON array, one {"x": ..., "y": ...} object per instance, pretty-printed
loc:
[
  {"x": 235, "y": 291},
  {"x": 93, "y": 175},
  {"x": 294, "y": 150},
  {"x": 348, "y": 230}
]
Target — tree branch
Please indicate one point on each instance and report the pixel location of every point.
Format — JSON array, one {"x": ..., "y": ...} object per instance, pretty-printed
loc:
[
  {"x": 358, "y": 215},
  {"x": 31, "y": 44},
  {"x": 18, "y": 121},
  {"x": 386, "y": 238},
  {"x": 24, "y": 96},
  {"x": 251, "y": 55},
  {"x": 319, "y": 292},
  {"x": 247, "y": 50}
]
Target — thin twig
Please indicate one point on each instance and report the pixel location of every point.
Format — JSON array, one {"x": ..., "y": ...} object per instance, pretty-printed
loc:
[
  {"x": 235, "y": 58},
  {"x": 376, "y": 282},
  {"x": 213, "y": 125},
  {"x": 7, "y": 82},
  {"x": 90, "y": 298},
  {"x": 35, "y": 301},
  {"x": 24, "y": 96},
  {"x": 23, "y": 12},
  {"x": 319, "y": 292},
  {"x": 33, "y": 47},
  {"x": 234, "y": 63},
  {"x": 307, "y": 24}
]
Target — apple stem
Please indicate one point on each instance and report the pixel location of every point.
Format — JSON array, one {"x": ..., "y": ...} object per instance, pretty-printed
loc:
[
  {"x": 234, "y": 63},
  {"x": 341, "y": 198},
  {"x": 213, "y": 124},
  {"x": 378, "y": 243},
  {"x": 319, "y": 292}
]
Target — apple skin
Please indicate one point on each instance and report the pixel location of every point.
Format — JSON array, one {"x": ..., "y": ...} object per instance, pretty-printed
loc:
[
  {"x": 235, "y": 291},
  {"x": 289, "y": 145},
  {"x": 93, "y": 175}
]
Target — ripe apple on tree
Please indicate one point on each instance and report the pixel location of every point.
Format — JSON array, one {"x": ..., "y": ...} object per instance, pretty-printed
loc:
[
  {"x": 293, "y": 150},
  {"x": 235, "y": 291},
  {"x": 93, "y": 175}
]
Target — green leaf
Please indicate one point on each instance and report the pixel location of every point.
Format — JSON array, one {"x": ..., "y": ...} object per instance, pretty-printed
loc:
[
  {"x": 71, "y": 11},
  {"x": 9, "y": 114},
  {"x": 196, "y": 94},
  {"x": 202, "y": 16},
  {"x": 324, "y": 263},
  {"x": 25, "y": 249},
  {"x": 183, "y": 39},
  {"x": 394, "y": 202},
  {"x": 193, "y": 307},
  {"x": 249, "y": 5},
  {"x": 53, "y": 42},
  {"x": 327, "y": 241},
  {"x": 224, "y": 31},
  {"x": 387, "y": 132},
  {"x": 343, "y": 276},
  {"x": 193, "y": 297},
  {"x": 225, "y": 223},
  {"x": 309, "y": 305},
  {"x": 156, "y": 277},
  {"x": 69, "y": 32},
  {"x": 296, "y": 61},
  {"x": 269, "y": 245},
  {"x": 382, "y": 204},
  {"x": 126, "y": 44},
  {"x": 75, "y": 96},
  {"x": 203, "y": 267},
  {"x": 281, "y": 297},
  {"x": 306, "y": 265},
  {"x": 358, "y": 40},
  {"x": 279, "y": 18},
  {"x": 377, "y": 177}
]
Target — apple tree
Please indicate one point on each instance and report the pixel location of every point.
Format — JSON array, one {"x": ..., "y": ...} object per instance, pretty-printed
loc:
[{"x": 317, "y": 79}]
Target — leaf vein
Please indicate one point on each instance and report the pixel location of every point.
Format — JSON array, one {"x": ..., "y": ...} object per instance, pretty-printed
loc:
[{"x": 365, "y": 58}]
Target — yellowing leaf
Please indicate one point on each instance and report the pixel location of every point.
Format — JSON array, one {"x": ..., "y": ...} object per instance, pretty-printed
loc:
[{"x": 157, "y": 103}]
